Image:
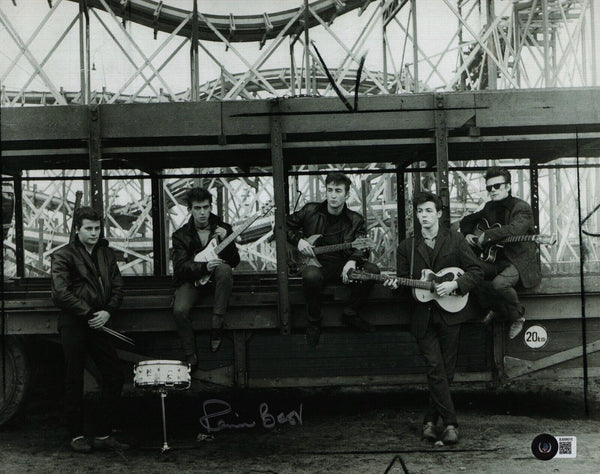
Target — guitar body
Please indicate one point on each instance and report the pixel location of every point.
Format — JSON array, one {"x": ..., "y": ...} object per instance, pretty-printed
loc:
[
  {"x": 488, "y": 252},
  {"x": 452, "y": 303},
  {"x": 305, "y": 260},
  {"x": 205, "y": 255}
]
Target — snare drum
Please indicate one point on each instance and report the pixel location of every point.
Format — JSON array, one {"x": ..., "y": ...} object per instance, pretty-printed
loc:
[{"x": 161, "y": 374}]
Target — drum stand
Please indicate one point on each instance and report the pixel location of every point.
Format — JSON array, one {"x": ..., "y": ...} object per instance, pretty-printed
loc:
[{"x": 163, "y": 395}]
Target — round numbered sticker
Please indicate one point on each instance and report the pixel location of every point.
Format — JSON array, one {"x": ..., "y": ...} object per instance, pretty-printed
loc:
[{"x": 536, "y": 337}]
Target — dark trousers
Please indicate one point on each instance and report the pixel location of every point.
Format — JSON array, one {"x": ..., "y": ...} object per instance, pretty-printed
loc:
[
  {"x": 439, "y": 346},
  {"x": 314, "y": 280},
  {"x": 187, "y": 295},
  {"x": 79, "y": 341},
  {"x": 501, "y": 292}
]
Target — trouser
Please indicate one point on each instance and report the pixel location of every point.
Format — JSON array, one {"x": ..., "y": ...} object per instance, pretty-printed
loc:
[
  {"x": 439, "y": 346},
  {"x": 502, "y": 295},
  {"x": 78, "y": 340},
  {"x": 314, "y": 280},
  {"x": 187, "y": 295}
]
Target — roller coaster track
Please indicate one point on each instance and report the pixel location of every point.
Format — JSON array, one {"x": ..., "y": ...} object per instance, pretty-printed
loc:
[
  {"x": 279, "y": 79},
  {"x": 236, "y": 28}
]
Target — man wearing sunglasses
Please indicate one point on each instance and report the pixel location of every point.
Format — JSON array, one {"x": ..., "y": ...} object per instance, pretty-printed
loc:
[{"x": 516, "y": 262}]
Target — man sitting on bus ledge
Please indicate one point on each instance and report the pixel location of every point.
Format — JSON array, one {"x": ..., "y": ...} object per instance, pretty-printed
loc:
[
  {"x": 192, "y": 238},
  {"x": 335, "y": 223},
  {"x": 514, "y": 263},
  {"x": 88, "y": 288},
  {"x": 436, "y": 330}
]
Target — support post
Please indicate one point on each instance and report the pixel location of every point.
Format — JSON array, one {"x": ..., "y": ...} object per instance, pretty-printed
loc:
[
  {"x": 306, "y": 51},
  {"x": 546, "y": 27},
  {"x": 158, "y": 226},
  {"x": 194, "y": 61},
  {"x": 19, "y": 236},
  {"x": 491, "y": 65},
  {"x": 401, "y": 201},
  {"x": 95, "y": 156},
  {"x": 279, "y": 194},
  {"x": 413, "y": 8},
  {"x": 441, "y": 148}
]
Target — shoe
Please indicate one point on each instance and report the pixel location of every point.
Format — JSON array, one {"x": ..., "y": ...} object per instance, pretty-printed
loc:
[
  {"x": 357, "y": 323},
  {"x": 490, "y": 317},
  {"x": 313, "y": 333},
  {"x": 450, "y": 435},
  {"x": 109, "y": 443},
  {"x": 191, "y": 360},
  {"x": 515, "y": 328},
  {"x": 428, "y": 432},
  {"x": 81, "y": 445},
  {"x": 216, "y": 336}
]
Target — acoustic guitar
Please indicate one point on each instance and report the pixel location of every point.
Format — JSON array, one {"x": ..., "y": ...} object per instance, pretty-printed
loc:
[
  {"x": 423, "y": 290},
  {"x": 214, "y": 247},
  {"x": 361, "y": 243},
  {"x": 489, "y": 252}
]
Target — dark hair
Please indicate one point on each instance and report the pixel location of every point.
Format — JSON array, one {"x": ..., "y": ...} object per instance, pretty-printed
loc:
[
  {"x": 497, "y": 171},
  {"x": 197, "y": 195},
  {"x": 338, "y": 178},
  {"x": 85, "y": 212},
  {"x": 426, "y": 196}
]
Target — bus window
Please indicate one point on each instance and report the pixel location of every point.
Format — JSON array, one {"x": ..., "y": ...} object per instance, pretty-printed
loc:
[{"x": 239, "y": 197}]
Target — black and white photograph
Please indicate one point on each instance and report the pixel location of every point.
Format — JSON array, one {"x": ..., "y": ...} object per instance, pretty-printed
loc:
[{"x": 300, "y": 236}]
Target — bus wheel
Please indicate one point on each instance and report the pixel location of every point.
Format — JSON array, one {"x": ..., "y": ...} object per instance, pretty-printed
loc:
[{"x": 14, "y": 376}]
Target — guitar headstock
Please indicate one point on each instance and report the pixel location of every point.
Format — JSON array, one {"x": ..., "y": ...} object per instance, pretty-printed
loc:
[
  {"x": 545, "y": 239},
  {"x": 267, "y": 208},
  {"x": 363, "y": 243}
]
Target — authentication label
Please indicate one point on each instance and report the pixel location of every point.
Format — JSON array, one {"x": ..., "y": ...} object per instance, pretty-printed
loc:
[{"x": 536, "y": 336}]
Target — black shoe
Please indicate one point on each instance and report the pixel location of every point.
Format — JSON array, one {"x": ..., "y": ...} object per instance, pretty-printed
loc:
[
  {"x": 313, "y": 333},
  {"x": 357, "y": 323},
  {"x": 428, "y": 432},
  {"x": 490, "y": 317},
  {"x": 109, "y": 443},
  {"x": 450, "y": 435},
  {"x": 81, "y": 445},
  {"x": 216, "y": 337}
]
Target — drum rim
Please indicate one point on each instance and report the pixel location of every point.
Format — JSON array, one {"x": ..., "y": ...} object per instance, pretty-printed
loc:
[{"x": 160, "y": 362}]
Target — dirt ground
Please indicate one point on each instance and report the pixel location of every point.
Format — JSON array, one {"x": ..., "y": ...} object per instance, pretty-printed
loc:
[{"x": 333, "y": 430}]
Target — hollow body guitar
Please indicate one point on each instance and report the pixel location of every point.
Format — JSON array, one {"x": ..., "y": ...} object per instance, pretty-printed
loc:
[
  {"x": 489, "y": 252},
  {"x": 423, "y": 290},
  {"x": 361, "y": 243},
  {"x": 214, "y": 247}
]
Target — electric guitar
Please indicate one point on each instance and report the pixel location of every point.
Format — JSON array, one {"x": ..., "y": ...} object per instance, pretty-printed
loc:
[
  {"x": 214, "y": 247},
  {"x": 489, "y": 252},
  {"x": 361, "y": 243},
  {"x": 423, "y": 290}
]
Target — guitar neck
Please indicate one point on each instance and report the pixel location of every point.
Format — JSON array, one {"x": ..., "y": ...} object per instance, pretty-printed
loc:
[
  {"x": 231, "y": 237},
  {"x": 518, "y": 238},
  {"x": 332, "y": 248},
  {"x": 423, "y": 285}
]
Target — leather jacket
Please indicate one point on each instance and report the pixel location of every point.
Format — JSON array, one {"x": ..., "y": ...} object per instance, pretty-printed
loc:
[
  {"x": 312, "y": 218},
  {"x": 78, "y": 288},
  {"x": 186, "y": 244}
]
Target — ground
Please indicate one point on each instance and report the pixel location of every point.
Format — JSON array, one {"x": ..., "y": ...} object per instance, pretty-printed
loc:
[{"x": 332, "y": 430}]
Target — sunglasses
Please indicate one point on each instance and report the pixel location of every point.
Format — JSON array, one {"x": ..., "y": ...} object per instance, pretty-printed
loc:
[{"x": 494, "y": 186}]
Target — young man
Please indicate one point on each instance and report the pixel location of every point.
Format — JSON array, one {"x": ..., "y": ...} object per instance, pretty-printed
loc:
[
  {"x": 516, "y": 261},
  {"x": 436, "y": 330},
  {"x": 189, "y": 240},
  {"x": 87, "y": 287},
  {"x": 336, "y": 224}
]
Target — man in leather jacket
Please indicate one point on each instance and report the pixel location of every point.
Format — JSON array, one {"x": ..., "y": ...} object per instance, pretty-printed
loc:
[
  {"x": 88, "y": 288},
  {"x": 516, "y": 262},
  {"x": 336, "y": 224},
  {"x": 193, "y": 237}
]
